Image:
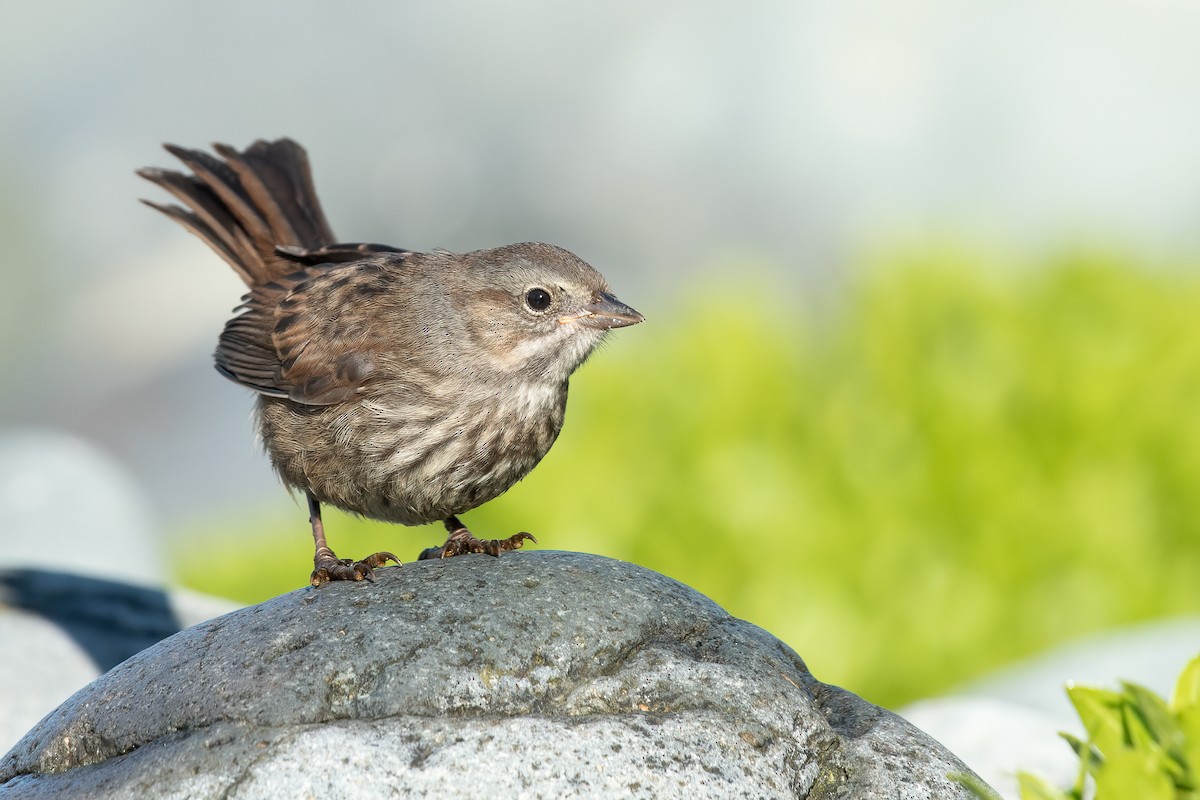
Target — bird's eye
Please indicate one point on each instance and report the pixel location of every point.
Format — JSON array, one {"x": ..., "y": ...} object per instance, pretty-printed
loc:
[{"x": 537, "y": 299}]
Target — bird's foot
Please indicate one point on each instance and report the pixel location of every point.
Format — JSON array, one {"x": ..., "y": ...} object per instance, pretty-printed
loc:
[
  {"x": 461, "y": 541},
  {"x": 328, "y": 567}
]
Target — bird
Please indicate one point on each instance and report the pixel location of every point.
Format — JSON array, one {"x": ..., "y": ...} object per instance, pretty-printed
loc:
[{"x": 399, "y": 385}]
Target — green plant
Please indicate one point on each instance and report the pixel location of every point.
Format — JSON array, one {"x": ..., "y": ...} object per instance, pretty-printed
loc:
[{"x": 1138, "y": 746}]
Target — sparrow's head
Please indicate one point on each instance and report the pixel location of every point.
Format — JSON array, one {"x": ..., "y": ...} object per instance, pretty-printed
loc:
[{"x": 538, "y": 309}]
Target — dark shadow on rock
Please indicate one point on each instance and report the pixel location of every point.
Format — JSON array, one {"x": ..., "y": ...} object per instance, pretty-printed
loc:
[{"x": 538, "y": 674}]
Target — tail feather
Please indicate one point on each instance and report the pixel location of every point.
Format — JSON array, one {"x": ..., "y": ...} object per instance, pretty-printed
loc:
[
  {"x": 225, "y": 185},
  {"x": 279, "y": 181},
  {"x": 208, "y": 219},
  {"x": 247, "y": 205}
]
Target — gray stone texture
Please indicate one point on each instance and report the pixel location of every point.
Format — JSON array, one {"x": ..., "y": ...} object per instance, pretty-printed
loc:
[{"x": 538, "y": 674}]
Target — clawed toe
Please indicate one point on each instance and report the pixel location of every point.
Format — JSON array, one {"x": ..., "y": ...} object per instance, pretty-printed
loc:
[
  {"x": 461, "y": 541},
  {"x": 379, "y": 559},
  {"x": 330, "y": 568}
]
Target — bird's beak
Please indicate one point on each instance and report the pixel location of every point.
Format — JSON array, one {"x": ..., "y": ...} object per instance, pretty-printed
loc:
[{"x": 604, "y": 312}]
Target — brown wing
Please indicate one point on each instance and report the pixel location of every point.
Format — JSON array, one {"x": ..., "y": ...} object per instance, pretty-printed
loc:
[{"x": 307, "y": 335}]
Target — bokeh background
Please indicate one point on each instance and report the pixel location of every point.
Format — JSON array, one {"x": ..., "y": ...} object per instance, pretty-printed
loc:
[{"x": 918, "y": 386}]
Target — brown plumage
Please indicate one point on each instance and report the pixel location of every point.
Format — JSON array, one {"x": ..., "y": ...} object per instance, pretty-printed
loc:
[{"x": 404, "y": 386}]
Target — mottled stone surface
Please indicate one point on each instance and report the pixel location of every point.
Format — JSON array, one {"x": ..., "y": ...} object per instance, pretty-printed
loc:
[{"x": 538, "y": 674}]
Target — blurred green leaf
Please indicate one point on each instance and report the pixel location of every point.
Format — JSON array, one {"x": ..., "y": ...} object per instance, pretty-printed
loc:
[
  {"x": 1155, "y": 730},
  {"x": 1185, "y": 705},
  {"x": 1035, "y": 788},
  {"x": 974, "y": 785},
  {"x": 1187, "y": 688},
  {"x": 1129, "y": 774},
  {"x": 1137, "y": 746},
  {"x": 1189, "y": 723},
  {"x": 1088, "y": 754},
  {"x": 1100, "y": 711}
]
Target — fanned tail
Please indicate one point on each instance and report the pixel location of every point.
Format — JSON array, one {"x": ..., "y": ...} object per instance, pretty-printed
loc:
[{"x": 246, "y": 205}]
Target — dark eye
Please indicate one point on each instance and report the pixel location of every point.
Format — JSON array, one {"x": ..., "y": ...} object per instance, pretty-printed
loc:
[{"x": 537, "y": 299}]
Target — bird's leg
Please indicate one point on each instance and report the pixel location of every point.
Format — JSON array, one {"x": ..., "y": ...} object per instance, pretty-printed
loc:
[
  {"x": 461, "y": 541},
  {"x": 327, "y": 566}
]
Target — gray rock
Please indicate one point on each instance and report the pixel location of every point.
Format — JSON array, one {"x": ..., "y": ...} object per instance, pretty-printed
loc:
[{"x": 540, "y": 674}]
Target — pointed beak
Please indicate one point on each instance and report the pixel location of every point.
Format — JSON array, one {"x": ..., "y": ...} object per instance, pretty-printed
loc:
[{"x": 604, "y": 312}]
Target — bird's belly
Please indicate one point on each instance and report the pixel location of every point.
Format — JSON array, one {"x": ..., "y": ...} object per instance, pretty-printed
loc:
[{"x": 408, "y": 465}]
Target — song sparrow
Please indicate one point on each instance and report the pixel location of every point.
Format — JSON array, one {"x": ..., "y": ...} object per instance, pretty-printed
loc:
[{"x": 404, "y": 386}]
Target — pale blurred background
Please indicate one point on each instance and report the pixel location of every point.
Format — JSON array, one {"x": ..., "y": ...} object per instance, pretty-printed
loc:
[
  {"x": 656, "y": 140},
  {"x": 732, "y": 168}
]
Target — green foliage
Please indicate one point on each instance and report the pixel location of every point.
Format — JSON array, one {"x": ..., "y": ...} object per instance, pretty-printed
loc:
[
  {"x": 959, "y": 467},
  {"x": 1137, "y": 746}
]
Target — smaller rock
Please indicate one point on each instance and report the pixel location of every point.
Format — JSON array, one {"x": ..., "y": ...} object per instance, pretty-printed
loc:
[
  {"x": 70, "y": 508},
  {"x": 72, "y": 629}
]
